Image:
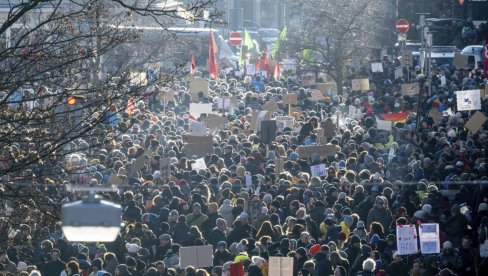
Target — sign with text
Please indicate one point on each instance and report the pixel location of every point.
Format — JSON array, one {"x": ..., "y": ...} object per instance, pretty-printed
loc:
[
  {"x": 197, "y": 109},
  {"x": 468, "y": 100},
  {"x": 460, "y": 61},
  {"x": 429, "y": 238},
  {"x": 384, "y": 125},
  {"x": 198, "y": 128},
  {"x": 318, "y": 170},
  {"x": 329, "y": 89},
  {"x": 360, "y": 84},
  {"x": 285, "y": 121},
  {"x": 215, "y": 121},
  {"x": 409, "y": 89},
  {"x": 199, "y": 165},
  {"x": 377, "y": 67},
  {"x": 406, "y": 239},
  {"x": 290, "y": 99}
]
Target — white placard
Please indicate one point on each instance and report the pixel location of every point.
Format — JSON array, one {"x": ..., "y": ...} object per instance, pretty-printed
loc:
[
  {"x": 352, "y": 111},
  {"x": 198, "y": 128},
  {"x": 443, "y": 81},
  {"x": 250, "y": 69},
  {"x": 248, "y": 180},
  {"x": 223, "y": 103},
  {"x": 406, "y": 239},
  {"x": 377, "y": 67},
  {"x": 398, "y": 73},
  {"x": 285, "y": 121},
  {"x": 318, "y": 170},
  {"x": 468, "y": 100},
  {"x": 196, "y": 256},
  {"x": 384, "y": 125},
  {"x": 196, "y": 109},
  {"x": 280, "y": 266},
  {"x": 289, "y": 64},
  {"x": 429, "y": 238},
  {"x": 238, "y": 74},
  {"x": 199, "y": 165}
]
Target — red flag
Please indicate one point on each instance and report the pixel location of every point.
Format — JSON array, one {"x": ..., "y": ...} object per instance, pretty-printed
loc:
[
  {"x": 258, "y": 66},
  {"x": 213, "y": 70},
  {"x": 395, "y": 117},
  {"x": 237, "y": 269},
  {"x": 265, "y": 63},
  {"x": 193, "y": 64},
  {"x": 277, "y": 72},
  {"x": 485, "y": 58},
  {"x": 131, "y": 106}
]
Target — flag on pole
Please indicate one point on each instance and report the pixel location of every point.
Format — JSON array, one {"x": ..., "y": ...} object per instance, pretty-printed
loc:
[
  {"x": 277, "y": 72},
  {"x": 246, "y": 45},
  {"x": 280, "y": 39},
  {"x": 400, "y": 117},
  {"x": 193, "y": 65},
  {"x": 213, "y": 70},
  {"x": 131, "y": 106}
]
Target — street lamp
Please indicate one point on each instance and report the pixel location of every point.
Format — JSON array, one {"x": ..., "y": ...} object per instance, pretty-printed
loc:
[{"x": 91, "y": 220}]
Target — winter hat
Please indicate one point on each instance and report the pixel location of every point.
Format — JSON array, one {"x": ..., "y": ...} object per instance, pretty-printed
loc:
[
  {"x": 341, "y": 195},
  {"x": 166, "y": 237},
  {"x": 348, "y": 219},
  {"x": 132, "y": 247},
  {"x": 360, "y": 225},
  {"x": 213, "y": 206},
  {"x": 447, "y": 245},
  {"x": 427, "y": 208},
  {"x": 355, "y": 239},
  {"x": 222, "y": 244},
  {"x": 302, "y": 251},
  {"x": 243, "y": 215},
  {"x": 375, "y": 239},
  {"x": 365, "y": 250},
  {"x": 483, "y": 207},
  {"x": 21, "y": 266},
  {"x": 268, "y": 198},
  {"x": 257, "y": 260},
  {"x": 314, "y": 249},
  {"x": 240, "y": 247}
]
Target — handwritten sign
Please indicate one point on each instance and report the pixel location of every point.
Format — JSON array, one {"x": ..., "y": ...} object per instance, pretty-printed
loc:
[
  {"x": 409, "y": 89},
  {"x": 323, "y": 150},
  {"x": 285, "y": 121},
  {"x": 398, "y": 73},
  {"x": 318, "y": 170},
  {"x": 429, "y": 238},
  {"x": 377, "y": 67},
  {"x": 215, "y": 121},
  {"x": 290, "y": 99},
  {"x": 199, "y": 165},
  {"x": 360, "y": 84},
  {"x": 406, "y": 239},
  {"x": 198, "y": 128},
  {"x": 460, "y": 61},
  {"x": 197, "y": 109},
  {"x": 468, "y": 100}
]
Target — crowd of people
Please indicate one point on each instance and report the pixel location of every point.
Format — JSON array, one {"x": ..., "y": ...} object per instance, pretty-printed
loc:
[{"x": 340, "y": 224}]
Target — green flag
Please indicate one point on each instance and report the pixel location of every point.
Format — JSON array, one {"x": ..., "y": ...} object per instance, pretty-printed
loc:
[
  {"x": 280, "y": 39},
  {"x": 246, "y": 45},
  {"x": 307, "y": 53}
]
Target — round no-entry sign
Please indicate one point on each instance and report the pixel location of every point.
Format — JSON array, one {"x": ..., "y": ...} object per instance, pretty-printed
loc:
[
  {"x": 402, "y": 26},
  {"x": 235, "y": 38}
]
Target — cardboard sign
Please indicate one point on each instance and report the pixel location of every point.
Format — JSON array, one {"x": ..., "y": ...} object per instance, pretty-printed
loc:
[
  {"x": 196, "y": 256},
  {"x": 468, "y": 100},
  {"x": 285, "y": 121},
  {"x": 384, "y": 125},
  {"x": 114, "y": 179},
  {"x": 406, "y": 239},
  {"x": 360, "y": 84},
  {"x": 398, "y": 73},
  {"x": 270, "y": 106},
  {"x": 215, "y": 121},
  {"x": 138, "y": 164},
  {"x": 329, "y": 89},
  {"x": 323, "y": 150},
  {"x": 199, "y": 165},
  {"x": 460, "y": 61},
  {"x": 435, "y": 115},
  {"x": 476, "y": 122},
  {"x": 197, "y": 109},
  {"x": 280, "y": 266},
  {"x": 317, "y": 95},
  {"x": 198, "y": 85},
  {"x": 409, "y": 89},
  {"x": 377, "y": 67},
  {"x": 318, "y": 170},
  {"x": 429, "y": 238},
  {"x": 164, "y": 166},
  {"x": 198, "y": 128},
  {"x": 198, "y": 146},
  {"x": 290, "y": 99},
  {"x": 279, "y": 165}
]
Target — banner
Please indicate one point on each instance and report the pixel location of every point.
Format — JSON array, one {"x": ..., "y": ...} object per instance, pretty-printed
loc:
[
  {"x": 318, "y": 170},
  {"x": 429, "y": 238},
  {"x": 468, "y": 100},
  {"x": 406, "y": 239}
]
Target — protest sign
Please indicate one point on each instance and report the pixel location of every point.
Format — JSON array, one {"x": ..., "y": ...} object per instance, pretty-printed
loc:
[
  {"x": 223, "y": 103},
  {"x": 198, "y": 85},
  {"x": 318, "y": 170},
  {"x": 316, "y": 95},
  {"x": 409, "y": 89},
  {"x": 196, "y": 256},
  {"x": 429, "y": 238},
  {"x": 250, "y": 69},
  {"x": 443, "y": 81},
  {"x": 435, "y": 115},
  {"x": 285, "y": 121},
  {"x": 280, "y": 266},
  {"x": 468, "y": 100},
  {"x": 398, "y": 73},
  {"x": 257, "y": 118},
  {"x": 460, "y": 61},
  {"x": 321, "y": 139},
  {"x": 114, "y": 179},
  {"x": 384, "y": 125},
  {"x": 270, "y": 106},
  {"x": 360, "y": 84},
  {"x": 290, "y": 99},
  {"x": 198, "y": 128},
  {"x": 476, "y": 122},
  {"x": 199, "y": 165},
  {"x": 215, "y": 121},
  {"x": 197, "y": 109},
  {"x": 168, "y": 96},
  {"x": 289, "y": 64},
  {"x": 406, "y": 239},
  {"x": 407, "y": 58},
  {"x": 377, "y": 67},
  {"x": 329, "y": 89},
  {"x": 138, "y": 163},
  {"x": 351, "y": 112},
  {"x": 323, "y": 150}
]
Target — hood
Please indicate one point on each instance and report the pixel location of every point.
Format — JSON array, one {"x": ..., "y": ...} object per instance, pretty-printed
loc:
[{"x": 225, "y": 208}]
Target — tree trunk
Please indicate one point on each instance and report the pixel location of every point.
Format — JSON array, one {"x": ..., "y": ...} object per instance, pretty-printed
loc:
[{"x": 339, "y": 77}]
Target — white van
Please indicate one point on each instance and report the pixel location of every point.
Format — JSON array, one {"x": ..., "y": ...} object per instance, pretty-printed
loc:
[{"x": 475, "y": 54}]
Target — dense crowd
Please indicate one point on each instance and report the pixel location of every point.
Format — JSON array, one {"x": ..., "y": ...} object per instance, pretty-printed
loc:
[{"x": 343, "y": 223}]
